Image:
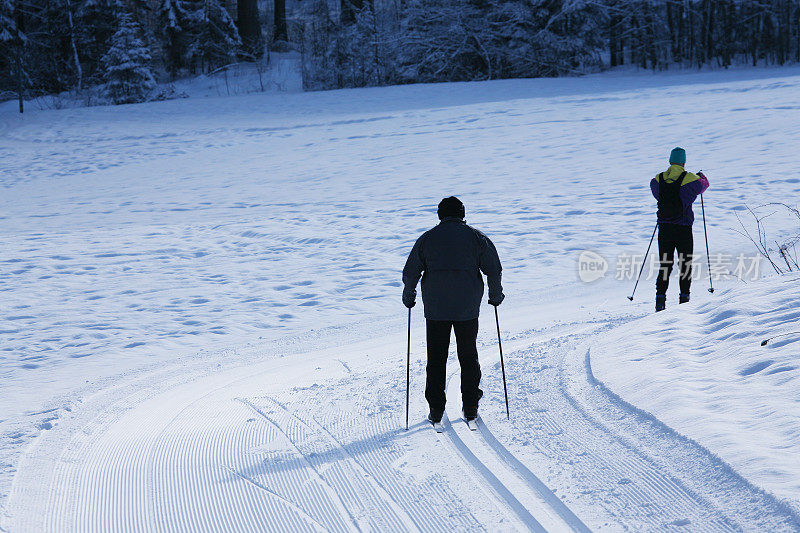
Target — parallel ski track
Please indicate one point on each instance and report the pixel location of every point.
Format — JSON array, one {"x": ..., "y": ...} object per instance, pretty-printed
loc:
[
  {"x": 404, "y": 507},
  {"x": 653, "y": 498},
  {"x": 357, "y": 484},
  {"x": 533, "y": 482},
  {"x": 506, "y": 491},
  {"x": 749, "y": 508},
  {"x": 645, "y": 493},
  {"x": 194, "y": 459},
  {"x": 612, "y": 472},
  {"x": 198, "y": 461},
  {"x": 502, "y": 492}
]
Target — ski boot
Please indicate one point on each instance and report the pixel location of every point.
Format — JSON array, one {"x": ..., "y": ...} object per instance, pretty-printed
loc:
[
  {"x": 661, "y": 302},
  {"x": 435, "y": 418},
  {"x": 471, "y": 417},
  {"x": 683, "y": 298}
]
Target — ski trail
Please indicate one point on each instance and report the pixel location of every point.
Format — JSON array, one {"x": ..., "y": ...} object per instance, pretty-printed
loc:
[
  {"x": 234, "y": 450},
  {"x": 501, "y": 490},
  {"x": 398, "y": 513},
  {"x": 627, "y": 472},
  {"x": 533, "y": 482},
  {"x": 654, "y": 498},
  {"x": 382, "y": 461},
  {"x": 317, "y": 526},
  {"x": 334, "y": 496},
  {"x": 532, "y": 506},
  {"x": 605, "y": 409}
]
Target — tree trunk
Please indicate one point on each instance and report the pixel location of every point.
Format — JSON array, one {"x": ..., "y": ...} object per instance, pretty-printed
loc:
[
  {"x": 796, "y": 18},
  {"x": 78, "y": 69},
  {"x": 250, "y": 28},
  {"x": 755, "y": 37},
  {"x": 692, "y": 38},
  {"x": 281, "y": 30},
  {"x": 20, "y": 47},
  {"x": 19, "y": 80},
  {"x": 614, "y": 40},
  {"x": 673, "y": 39}
]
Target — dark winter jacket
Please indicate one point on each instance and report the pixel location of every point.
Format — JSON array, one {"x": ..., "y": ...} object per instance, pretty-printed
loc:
[
  {"x": 450, "y": 257},
  {"x": 691, "y": 187}
]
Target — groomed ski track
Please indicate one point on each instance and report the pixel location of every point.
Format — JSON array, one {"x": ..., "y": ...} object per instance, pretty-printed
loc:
[{"x": 307, "y": 443}]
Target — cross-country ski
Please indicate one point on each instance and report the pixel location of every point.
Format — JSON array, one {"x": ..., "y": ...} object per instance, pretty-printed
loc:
[{"x": 399, "y": 266}]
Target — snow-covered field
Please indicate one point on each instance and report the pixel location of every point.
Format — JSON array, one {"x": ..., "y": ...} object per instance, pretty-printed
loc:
[
  {"x": 702, "y": 371},
  {"x": 200, "y": 323}
]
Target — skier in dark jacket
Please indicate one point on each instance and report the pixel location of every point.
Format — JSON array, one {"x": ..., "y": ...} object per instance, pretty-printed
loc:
[
  {"x": 450, "y": 258},
  {"x": 676, "y": 190}
]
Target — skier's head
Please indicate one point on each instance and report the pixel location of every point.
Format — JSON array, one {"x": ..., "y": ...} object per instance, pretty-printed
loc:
[
  {"x": 451, "y": 207},
  {"x": 677, "y": 156}
]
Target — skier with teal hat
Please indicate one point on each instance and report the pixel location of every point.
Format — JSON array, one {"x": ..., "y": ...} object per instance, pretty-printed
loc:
[{"x": 676, "y": 190}]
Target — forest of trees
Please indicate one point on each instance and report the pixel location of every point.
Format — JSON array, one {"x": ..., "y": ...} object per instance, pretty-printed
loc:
[{"x": 122, "y": 47}]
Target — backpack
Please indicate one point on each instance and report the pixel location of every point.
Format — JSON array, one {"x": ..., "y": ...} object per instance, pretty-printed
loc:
[{"x": 670, "y": 205}]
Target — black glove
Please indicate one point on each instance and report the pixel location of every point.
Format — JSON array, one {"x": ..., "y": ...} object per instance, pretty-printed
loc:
[
  {"x": 409, "y": 302},
  {"x": 497, "y": 301}
]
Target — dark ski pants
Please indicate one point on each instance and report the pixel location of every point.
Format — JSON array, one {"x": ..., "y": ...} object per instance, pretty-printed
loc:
[
  {"x": 438, "y": 341},
  {"x": 672, "y": 237}
]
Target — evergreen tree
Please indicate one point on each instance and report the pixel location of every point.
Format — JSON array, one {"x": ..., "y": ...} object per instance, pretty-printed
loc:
[
  {"x": 541, "y": 37},
  {"x": 97, "y": 21},
  {"x": 51, "y": 61},
  {"x": 347, "y": 43},
  {"x": 126, "y": 65},
  {"x": 214, "y": 39},
  {"x": 442, "y": 41},
  {"x": 174, "y": 21},
  {"x": 8, "y": 28},
  {"x": 319, "y": 62},
  {"x": 12, "y": 40},
  {"x": 250, "y": 27}
]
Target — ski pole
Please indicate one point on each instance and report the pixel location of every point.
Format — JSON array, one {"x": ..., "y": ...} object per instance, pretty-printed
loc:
[
  {"x": 408, "y": 365},
  {"x": 708, "y": 255},
  {"x": 502, "y": 364},
  {"x": 643, "y": 262},
  {"x": 765, "y": 341}
]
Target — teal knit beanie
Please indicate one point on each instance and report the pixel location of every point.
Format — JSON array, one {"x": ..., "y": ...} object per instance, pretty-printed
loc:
[{"x": 677, "y": 156}]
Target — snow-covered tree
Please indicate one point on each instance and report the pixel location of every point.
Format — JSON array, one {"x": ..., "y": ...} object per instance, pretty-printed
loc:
[
  {"x": 174, "y": 22},
  {"x": 214, "y": 39},
  {"x": 541, "y": 37},
  {"x": 443, "y": 40},
  {"x": 11, "y": 43},
  {"x": 348, "y": 43},
  {"x": 127, "y": 65},
  {"x": 8, "y": 27},
  {"x": 357, "y": 53},
  {"x": 97, "y": 21},
  {"x": 247, "y": 20}
]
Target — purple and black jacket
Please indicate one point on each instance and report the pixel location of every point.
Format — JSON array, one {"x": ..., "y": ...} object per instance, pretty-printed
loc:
[{"x": 693, "y": 185}]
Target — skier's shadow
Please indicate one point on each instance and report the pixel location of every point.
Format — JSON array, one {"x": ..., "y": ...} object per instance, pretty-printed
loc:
[{"x": 326, "y": 451}]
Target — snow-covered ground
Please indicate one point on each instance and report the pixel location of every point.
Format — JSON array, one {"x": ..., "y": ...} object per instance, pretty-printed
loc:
[
  {"x": 200, "y": 316},
  {"x": 702, "y": 371}
]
